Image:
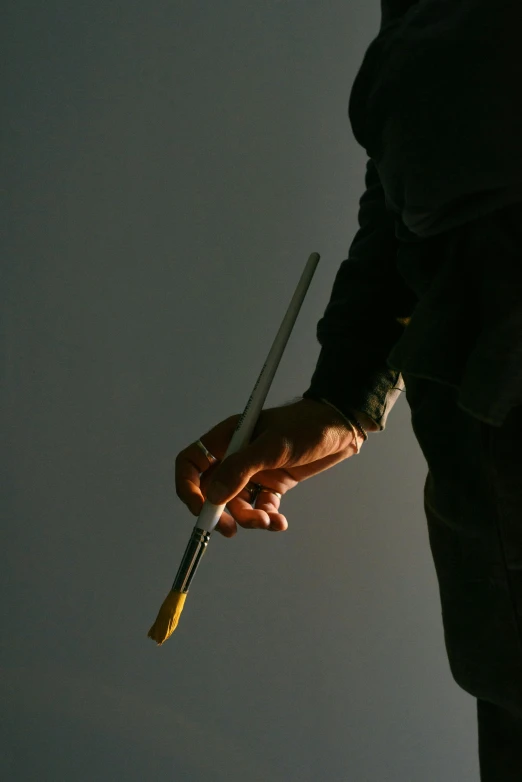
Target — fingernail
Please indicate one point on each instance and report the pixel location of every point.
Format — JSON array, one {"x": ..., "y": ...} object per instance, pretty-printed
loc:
[{"x": 217, "y": 493}]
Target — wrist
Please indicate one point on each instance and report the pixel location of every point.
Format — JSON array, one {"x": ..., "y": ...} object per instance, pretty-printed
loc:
[
  {"x": 364, "y": 419},
  {"x": 351, "y": 422}
]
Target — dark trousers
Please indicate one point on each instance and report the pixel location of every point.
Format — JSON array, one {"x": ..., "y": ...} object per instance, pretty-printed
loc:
[{"x": 473, "y": 505}]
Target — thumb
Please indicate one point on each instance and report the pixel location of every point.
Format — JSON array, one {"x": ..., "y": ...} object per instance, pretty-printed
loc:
[{"x": 237, "y": 469}]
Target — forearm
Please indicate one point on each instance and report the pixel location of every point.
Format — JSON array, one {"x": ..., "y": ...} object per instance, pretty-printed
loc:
[
  {"x": 364, "y": 419},
  {"x": 368, "y": 311}
]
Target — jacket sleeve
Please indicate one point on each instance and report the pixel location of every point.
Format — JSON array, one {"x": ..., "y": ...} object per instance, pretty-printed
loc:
[{"x": 367, "y": 313}]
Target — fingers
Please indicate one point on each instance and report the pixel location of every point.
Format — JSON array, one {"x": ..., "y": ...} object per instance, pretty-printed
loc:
[
  {"x": 269, "y": 502},
  {"x": 265, "y": 515},
  {"x": 226, "y": 525},
  {"x": 267, "y": 453},
  {"x": 246, "y": 516},
  {"x": 278, "y": 522},
  {"x": 194, "y": 473},
  {"x": 240, "y": 512}
]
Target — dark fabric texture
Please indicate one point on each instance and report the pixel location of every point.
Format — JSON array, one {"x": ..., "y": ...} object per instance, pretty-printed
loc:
[
  {"x": 439, "y": 240},
  {"x": 434, "y": 106},
  {"x": 447, "y": 307},
  {"x": 473, "y": 506},
  {"x": 500, "y": 737},
  {"x": 429, "y": 301},
  {"x": 466, "y": 330},
  {"x": 362, "y": 321}
]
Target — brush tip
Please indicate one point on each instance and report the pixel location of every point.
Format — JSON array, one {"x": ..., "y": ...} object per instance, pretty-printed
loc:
[{"x": 168, "y": 617}]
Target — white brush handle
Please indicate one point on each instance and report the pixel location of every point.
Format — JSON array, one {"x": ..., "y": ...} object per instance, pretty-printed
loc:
[{"x": 210, "y": 514}]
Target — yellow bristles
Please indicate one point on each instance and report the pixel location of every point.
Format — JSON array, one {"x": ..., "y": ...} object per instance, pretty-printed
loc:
[{"x": 168, "y": 617}]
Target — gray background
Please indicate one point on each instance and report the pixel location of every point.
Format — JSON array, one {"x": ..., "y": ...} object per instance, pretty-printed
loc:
[{"x": 168, "y": 169}]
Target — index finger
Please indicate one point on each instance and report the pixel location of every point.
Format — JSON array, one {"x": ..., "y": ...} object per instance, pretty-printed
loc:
[{"x": 191, "y": 463}]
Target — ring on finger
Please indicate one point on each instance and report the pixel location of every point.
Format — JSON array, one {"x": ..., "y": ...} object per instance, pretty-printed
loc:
[
  {"x": 255, "y": 490},
  {"x": 212, "y": 459}
]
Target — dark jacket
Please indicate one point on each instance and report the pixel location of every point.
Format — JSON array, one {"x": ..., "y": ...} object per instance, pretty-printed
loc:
[
  {"x": 437, "y": 106},
  {"x": 428, "y": 288}
]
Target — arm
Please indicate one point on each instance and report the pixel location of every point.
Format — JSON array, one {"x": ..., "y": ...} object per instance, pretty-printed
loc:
[{"x": 367, "y": 313}]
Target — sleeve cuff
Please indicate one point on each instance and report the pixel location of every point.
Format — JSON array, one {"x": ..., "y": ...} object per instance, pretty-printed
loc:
[{"x": 341, "y": 385}]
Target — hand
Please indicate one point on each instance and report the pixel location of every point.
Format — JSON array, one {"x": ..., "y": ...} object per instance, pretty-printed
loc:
[{"x": 289, "y": 444}]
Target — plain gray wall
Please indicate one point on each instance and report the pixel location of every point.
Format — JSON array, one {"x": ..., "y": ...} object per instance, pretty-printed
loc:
[{"x": 168, "y": 169}]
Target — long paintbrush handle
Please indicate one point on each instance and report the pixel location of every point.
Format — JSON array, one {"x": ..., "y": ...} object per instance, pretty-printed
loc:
[
  {"x": 210, "y": 514},
  {"x": 169, "y": 613}
]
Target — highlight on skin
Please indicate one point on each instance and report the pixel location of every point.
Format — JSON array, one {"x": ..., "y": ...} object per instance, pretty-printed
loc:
[{"x": 168, "y": 617}]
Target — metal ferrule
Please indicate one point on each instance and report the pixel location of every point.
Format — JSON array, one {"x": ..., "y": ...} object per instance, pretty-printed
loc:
[{"x": 195, "y": 549}]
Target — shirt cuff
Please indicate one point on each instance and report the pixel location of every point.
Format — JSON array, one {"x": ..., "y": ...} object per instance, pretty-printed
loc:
[{"x": 365, "y": 388}]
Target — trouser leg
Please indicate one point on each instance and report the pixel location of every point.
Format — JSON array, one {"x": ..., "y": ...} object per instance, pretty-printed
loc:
[
  {"x": 500, "y": 743},
  {"x": 473, "y": 505}
]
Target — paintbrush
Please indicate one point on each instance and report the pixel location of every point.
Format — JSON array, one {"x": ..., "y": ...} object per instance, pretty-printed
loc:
[{"x": 169, "y": 613}]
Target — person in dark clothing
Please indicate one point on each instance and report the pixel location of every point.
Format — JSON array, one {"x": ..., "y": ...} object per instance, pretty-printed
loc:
[{"x": 429, "y": 301}]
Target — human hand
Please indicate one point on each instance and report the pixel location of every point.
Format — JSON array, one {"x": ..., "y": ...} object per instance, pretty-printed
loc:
[{"x": 289, "y": 444}]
